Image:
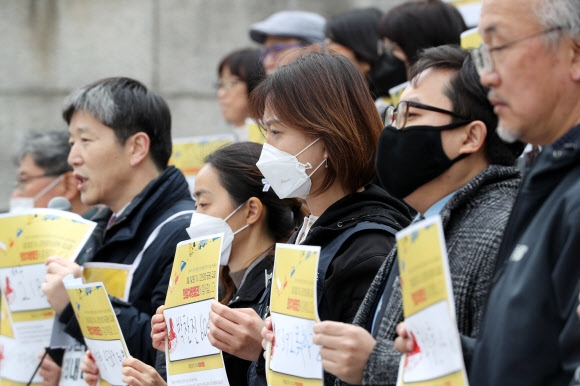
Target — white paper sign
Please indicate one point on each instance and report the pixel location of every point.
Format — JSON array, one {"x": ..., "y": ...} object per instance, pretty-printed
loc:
[
  {"x": 187, "y": 328},
  {"x": 21, "y": 285},
  {"x": 109, "y": 355},
  {"x": 293, "y": 351}
]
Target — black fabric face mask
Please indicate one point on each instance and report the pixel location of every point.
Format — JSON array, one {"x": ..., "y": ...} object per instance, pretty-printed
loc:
[{"x": 409, "y": 158}]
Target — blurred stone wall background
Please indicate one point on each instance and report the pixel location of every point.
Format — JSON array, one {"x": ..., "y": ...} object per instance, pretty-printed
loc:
[{"x": 49, "y": 47}]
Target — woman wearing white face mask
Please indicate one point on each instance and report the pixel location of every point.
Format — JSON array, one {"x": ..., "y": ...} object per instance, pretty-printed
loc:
[
  {"x": 322, "y": 129},
  {"x": 229, "y": 187}
]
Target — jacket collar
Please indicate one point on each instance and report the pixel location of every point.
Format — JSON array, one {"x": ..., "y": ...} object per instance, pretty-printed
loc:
[{"x": 160, "y": 193}]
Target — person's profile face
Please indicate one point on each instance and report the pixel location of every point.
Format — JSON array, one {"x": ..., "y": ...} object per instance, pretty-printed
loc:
[
  {"x": 102, "y": 166},
  {"x": 232, "y": 93},
  {"x": 525, "y": 75},
  {"x": 32, "y": 180}
]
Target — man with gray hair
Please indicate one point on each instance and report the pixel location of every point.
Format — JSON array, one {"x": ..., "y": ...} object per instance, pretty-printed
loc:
[
  {"x": 120, "y": 137},
  {"x": 44, "y": 172},
  {"x": 530, "y": 334},
  {"x": 284, "y": 33}
]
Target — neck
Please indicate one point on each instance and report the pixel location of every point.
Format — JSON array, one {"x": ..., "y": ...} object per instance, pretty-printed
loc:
[
  {"x": 454, "y": 178},
  {"x": 140, "y": 179},
  {"x": 245, "y": 251},
  {"x": 320, "y": 202}
]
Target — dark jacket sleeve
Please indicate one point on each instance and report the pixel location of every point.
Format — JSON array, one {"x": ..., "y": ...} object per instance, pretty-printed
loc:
[
  {"x": 135, "y": 324},
  {"x": 352, "y": 271}
]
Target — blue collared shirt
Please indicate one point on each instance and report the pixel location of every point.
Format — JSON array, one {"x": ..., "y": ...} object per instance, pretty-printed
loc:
[{"x": 432, "y": 211}]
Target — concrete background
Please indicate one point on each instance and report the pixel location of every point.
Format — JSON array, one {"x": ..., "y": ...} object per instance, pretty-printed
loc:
[{"x": 50, "y": 47}]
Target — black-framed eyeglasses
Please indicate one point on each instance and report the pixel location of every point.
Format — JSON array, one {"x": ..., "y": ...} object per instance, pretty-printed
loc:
[
  {"x": 275, "y": 49},
  {"x": 397, "y": 116},
  {"x": 483, "y": 58}
]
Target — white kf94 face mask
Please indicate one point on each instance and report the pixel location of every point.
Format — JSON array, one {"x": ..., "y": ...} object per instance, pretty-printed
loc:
[
  {"x": 284, "y": 173},
  {"x": 203, "y": 225},
  {"x": 18, "y": 204}
]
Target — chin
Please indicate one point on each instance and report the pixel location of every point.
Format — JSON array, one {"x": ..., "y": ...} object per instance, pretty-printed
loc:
[{"x": 508, "y": 135}]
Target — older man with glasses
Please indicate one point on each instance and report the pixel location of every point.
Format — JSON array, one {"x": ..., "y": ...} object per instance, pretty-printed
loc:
[
  {"x": 531, "y": 63},
  {"x": 44, "y": 173},
  {"x": 284, "y": 34}
]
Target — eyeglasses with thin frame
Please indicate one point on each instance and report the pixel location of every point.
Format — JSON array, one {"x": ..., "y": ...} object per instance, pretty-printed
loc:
[
  {"x": 483, "y": 58},
  {"x": 275, "y": 49},
  {"x": 227, "y": 85},
  {"x": 21, "y": 182},
  {"x": 397, "y": 116}
]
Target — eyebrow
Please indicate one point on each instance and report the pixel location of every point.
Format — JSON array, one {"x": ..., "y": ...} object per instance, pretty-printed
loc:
[
  {"x": 490, "y": 29},
  {"x": 270, "y": 121},
  {"x": 199, "y": 192}
]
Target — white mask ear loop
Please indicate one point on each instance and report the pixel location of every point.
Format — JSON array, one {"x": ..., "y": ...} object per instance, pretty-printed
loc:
[
  {"x": 48, "y": 187},
  {"x": 307, "y": 147},
  {"x": 307, "y": 165},
  {"x": 234, "y": 212},
  {"x": 318, "y": 167}
]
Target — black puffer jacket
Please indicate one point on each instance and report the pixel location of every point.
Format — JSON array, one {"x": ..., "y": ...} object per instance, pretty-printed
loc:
[
  {"x": 356, "y": 263},
  {"x": 168, "y": 194}
]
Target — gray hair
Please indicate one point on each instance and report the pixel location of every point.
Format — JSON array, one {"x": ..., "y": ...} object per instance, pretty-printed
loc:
[
  {"x": 565, "y": 13},
  {"x": 49, "y": 150},
  {"x": 97, "y": 99},
  {"x": 127, "y": 107}
]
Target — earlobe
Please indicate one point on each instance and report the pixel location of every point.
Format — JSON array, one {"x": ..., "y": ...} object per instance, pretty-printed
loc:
[{"x": 255, "y": 209}]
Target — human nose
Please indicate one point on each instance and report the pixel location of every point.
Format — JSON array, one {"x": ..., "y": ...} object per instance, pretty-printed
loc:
[
  {"x": 221, "y": 92},
  {"x": 489, "y": 78},
  {"x": 74, "y": 157}
]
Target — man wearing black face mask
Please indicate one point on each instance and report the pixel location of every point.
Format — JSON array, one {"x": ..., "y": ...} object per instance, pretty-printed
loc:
[{"x": 441, "y": 155}]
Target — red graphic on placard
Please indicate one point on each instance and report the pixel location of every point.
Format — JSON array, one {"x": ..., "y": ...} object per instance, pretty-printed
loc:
[{"x": 172, "y": 337}]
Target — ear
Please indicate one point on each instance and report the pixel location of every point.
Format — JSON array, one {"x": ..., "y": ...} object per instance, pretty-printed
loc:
[
  {"x": 70, "y": 185},
  {"x": 575, "y": 65},
  {"x": 255, "y": 210},
  {"x": 474, "y": 139},
  {"x": 137, "y": 147}
]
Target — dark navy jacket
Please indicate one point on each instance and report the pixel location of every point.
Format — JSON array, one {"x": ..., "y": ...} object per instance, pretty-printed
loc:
[
  {"x": 531, "y": 333},
  {"x": 121, "y": 243}
]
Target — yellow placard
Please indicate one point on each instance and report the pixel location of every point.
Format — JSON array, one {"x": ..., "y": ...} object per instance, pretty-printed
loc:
[
  {"x": 471, "y": 39},
  {"x": 422, "y": 273},
  {"x": 99, "y": 326},
  {"x": 254, "y": 132},
  {"x": 395, "y": 93},
  {"x": 94, "y": 312},
  {"x": 33, "y": 236},
  {"x": 294, "y": 282},
  {"x": 293, "y": 359},
  {"x": 192, "y": 287},
  {"x": 188, "y": 154},
  {"x": 5, "y": 319},
  {"x": 114, "y": 278},
  {"x": 428, "y": 308}
]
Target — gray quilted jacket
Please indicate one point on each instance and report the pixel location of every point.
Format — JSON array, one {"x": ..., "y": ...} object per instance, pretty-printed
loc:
[{"x": 474, "y": 220}]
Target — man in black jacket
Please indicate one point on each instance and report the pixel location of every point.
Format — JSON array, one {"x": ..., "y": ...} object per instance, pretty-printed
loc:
[
  {"x": 530, "y": 333},
  {"x": 120, "y": 136}
]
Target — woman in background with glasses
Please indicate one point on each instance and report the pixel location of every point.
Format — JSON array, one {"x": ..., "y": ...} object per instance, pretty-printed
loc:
[{"x": 239, "y": 72}]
